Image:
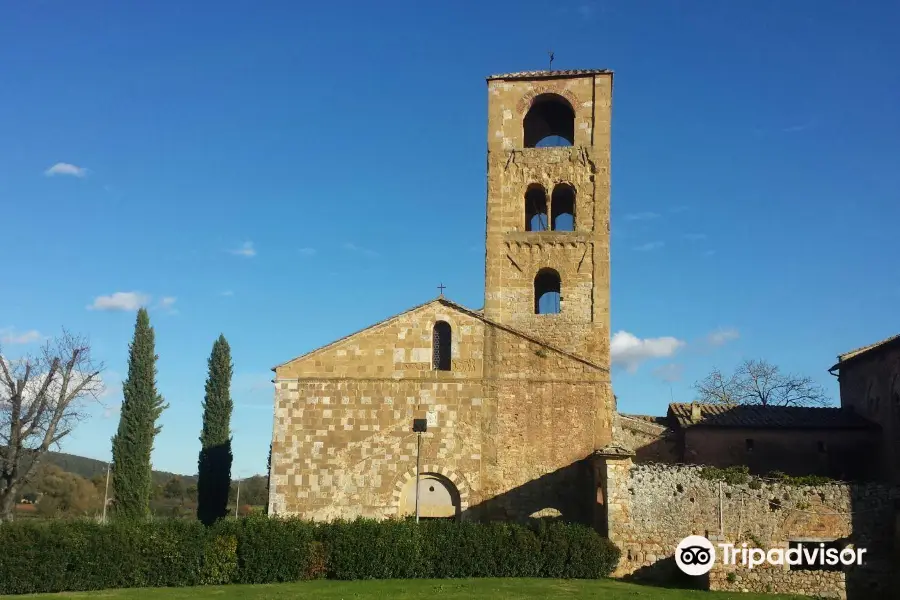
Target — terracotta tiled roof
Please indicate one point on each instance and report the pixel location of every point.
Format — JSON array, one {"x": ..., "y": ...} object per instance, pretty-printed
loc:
[
  {"x": 864, "y": 349},
  {"x": 548, "y": 74},
  {"x": 789, "y": 417}
]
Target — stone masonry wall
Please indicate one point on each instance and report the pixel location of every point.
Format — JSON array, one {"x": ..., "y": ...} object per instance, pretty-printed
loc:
[
  {"x": 870, "y": 385},
  {"x": 649, "y": 441},
  {"x": 343, "y": 446},
  {"x": 513, "y": 255},
  {"x": 653, "y": 507}
]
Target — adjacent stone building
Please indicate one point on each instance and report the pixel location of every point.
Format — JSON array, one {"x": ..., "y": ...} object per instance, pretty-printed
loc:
[
  {"x": 517, "y": 395},
  {"x": 835, "y": 442},
  {"x": 869, "y": 379}
]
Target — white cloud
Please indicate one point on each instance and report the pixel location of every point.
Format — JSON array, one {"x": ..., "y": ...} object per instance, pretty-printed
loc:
[
  {"x": 93, "y": 389},
  {"x": 641, "y": 216},
  {"x": 112, "y": 384},
  {"x": 246, "y": 249},
  {"x": 722, "y": 335},
  {"x": 112, "y": 390},
  {"x": 125, "y": 301},
  {"x": 167, "y": 303},
  {"x": 669, "y": 373},
  {"x": 630, "y": 351},
  {"x": 227, "y": 293},
  {"x": 11, "y": 337},
  {"x": 364, "y": 251},
  {"x": 307, "y": 251},
  {"x": 800, "y": 127},
  {"x": 62, "y": 168},
  {"x": 649, "y": 246}
]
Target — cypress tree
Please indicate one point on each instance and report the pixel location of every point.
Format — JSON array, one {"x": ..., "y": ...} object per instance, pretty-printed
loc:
[
  {"x": 214, "y": 463},
  {"x": 133, "y": 443}
]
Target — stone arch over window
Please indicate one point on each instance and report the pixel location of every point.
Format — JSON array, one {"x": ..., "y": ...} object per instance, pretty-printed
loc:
[
  {"x": 535, "y": 208},
  {"x": 547, "y": 292},
  {"x": 442, "y": 494},
  {"x": 562, "y": 206},
  {"x": 441, "y": 345},
  {"x": 549, "y": 122}
]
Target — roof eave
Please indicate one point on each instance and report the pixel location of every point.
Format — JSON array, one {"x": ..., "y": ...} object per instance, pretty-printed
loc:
[{"x": 564, "y": 74}]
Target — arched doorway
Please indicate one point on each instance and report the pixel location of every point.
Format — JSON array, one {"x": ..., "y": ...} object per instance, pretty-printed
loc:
[{"x": 438, "y": 498}]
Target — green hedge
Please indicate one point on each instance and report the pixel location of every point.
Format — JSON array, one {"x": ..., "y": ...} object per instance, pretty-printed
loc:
[{"x": 71, "y": 556}]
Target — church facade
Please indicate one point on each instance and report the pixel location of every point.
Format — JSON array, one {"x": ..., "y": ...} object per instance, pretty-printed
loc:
[{"x": 516, "y": 395}]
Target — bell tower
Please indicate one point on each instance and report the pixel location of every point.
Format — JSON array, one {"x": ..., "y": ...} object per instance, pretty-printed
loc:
[{"x": 547, "y": 243}]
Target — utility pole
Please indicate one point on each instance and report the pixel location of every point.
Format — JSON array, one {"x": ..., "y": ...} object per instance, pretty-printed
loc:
[
  {"x": 237, "y": 500},
  {"x": 106, "y": 491},
  {"x": 419, "y": 426}
]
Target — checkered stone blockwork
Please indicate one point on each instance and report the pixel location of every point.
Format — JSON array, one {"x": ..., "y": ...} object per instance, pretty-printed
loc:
[{"x": 341, "y": 444}]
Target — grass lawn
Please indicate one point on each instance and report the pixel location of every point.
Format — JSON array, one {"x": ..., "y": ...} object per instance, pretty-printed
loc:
[{"x": 444, "y": 589}]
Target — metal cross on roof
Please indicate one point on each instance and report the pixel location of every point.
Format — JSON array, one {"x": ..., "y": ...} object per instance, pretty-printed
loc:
[{"x": 442, "y": 287}]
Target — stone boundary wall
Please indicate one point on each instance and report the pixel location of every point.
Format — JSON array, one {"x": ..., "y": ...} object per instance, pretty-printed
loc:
[{"x": 652, "y": 507}]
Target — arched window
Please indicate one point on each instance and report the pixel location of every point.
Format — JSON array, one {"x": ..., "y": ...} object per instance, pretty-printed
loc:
[
  {"x": 535, "y": 208},
  {"x": 550, "y": 122},
  {"x": 547, "y": 285},
  {"x": 440, "y": 350},
  {"x": 562, "y": 205}
]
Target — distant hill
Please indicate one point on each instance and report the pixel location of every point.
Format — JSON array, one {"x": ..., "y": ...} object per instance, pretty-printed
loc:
[{"x": 89, "y": 467}]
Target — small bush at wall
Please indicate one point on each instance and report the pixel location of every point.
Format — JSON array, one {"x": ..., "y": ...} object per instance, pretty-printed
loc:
[
  {"x": 740, "y": 475},
  {"x": 71, "y": 555},
  {"x": 799, "y": 480}
]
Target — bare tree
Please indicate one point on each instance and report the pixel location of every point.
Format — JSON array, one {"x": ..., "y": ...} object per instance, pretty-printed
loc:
[
  {"x": 42, "y": 398},
  {"x": 760, "y": 383}
]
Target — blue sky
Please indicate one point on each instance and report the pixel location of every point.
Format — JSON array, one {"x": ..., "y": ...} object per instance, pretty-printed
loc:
[{"x": 286, "y": 173}]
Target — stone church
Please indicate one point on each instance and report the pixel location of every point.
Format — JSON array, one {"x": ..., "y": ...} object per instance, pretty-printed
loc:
[{"x": 517, "y": 395}]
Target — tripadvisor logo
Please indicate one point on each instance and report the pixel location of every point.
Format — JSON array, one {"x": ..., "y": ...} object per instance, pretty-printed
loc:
[{"x": 695, "y": 555}]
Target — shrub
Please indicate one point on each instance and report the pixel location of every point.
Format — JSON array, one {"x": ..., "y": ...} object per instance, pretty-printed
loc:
[
  {"x": 271, "y": 550},
  {"x": 83, "y": 555},
  {"x": 576, "y": 552},
  {"x": 220, "y": 562},
  {"x": 41, "y": 557},
  {"x": 367, "y": 549},
  {"x": 735, "y": 475}
]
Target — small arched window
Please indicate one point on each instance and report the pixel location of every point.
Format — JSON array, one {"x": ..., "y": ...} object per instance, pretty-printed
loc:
[
  {"x": 535, "y": 208},
  {"x": 562, "y": 205},
  {"x": 440, "y": 350},
  {"x": 549, "y": 122},
  {"x": 547, "y": 286}
]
